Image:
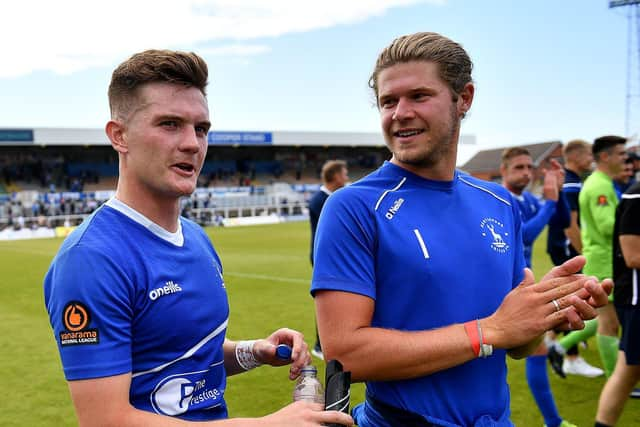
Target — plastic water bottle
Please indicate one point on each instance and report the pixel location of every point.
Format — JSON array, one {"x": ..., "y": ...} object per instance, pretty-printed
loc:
[{"x": 308, "y": 387}]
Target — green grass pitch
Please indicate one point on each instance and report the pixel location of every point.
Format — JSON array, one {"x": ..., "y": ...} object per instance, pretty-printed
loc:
[{"x": 267, "y": 276}]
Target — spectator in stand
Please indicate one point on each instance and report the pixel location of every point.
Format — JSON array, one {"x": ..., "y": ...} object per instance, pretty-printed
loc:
[{"x": 335, "y": 175}]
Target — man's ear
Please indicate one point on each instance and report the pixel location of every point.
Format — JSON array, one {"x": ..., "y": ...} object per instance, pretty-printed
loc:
[
  {"x": 465, "y": 99},
  {"x": 115, "y": 133}
]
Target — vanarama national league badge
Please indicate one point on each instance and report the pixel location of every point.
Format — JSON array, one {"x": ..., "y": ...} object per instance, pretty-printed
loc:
[{"x": 76, "y": 319}]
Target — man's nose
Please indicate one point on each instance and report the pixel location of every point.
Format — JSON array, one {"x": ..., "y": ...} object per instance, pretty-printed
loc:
[
  {"x": 404, "y": 110},
  {"x": 190, "y": 140}
]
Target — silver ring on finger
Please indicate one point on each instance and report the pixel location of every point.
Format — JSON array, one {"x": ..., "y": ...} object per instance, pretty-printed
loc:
[{"x": 555, "y": 304}]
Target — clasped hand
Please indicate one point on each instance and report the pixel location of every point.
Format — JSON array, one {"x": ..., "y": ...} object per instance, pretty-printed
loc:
[{"x": 563, "y": 300}]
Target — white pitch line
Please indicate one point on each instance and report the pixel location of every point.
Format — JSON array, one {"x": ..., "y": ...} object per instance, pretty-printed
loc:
[{"x": 265, "y": 277}]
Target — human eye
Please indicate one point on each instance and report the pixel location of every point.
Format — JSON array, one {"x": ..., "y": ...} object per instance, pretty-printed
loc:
[
  {"x": 202, "y": 130},
  {"x": 421, "y": 96},
  {"x": 387, "y": 102},
  {"x": 169, "y": 124}
]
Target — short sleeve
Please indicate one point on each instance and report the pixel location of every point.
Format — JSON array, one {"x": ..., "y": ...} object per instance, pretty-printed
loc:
[
  {"x": 345, "y": 246},
  {"x": 88, "y": 298},
  {"x": 571, "y": 196},
  {"x": 630, "y": 216}
]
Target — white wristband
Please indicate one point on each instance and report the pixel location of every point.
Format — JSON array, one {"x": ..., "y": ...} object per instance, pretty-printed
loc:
[
  {"x": 486, "y": 350},
  {"x": 245, "y": 356}
]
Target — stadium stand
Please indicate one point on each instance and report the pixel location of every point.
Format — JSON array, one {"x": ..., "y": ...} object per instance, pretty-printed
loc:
[{"x": 51, "y": 177}]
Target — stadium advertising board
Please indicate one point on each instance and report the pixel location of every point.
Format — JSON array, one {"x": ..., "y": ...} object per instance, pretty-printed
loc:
[
  {"x": 8, "y": 136},
  {"x": 242, "y": 138}
]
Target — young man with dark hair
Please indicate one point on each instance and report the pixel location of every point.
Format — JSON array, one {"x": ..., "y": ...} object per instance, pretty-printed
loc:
[
  {"x": 598, "y": 201},
  {"x": 136, "y": 295},
  {"x": 419, "y": 276}
]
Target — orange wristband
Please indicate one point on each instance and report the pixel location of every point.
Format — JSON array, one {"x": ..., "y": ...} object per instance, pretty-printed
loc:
[{"x": 472, "y": 332}]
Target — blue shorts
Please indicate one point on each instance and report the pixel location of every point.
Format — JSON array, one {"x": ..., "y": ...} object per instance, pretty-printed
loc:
[{"x": 629, "y": 317}]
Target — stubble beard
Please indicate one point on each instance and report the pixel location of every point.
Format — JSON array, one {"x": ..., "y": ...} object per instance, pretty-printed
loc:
[
  {"x": 517, "y": 187},
  {"x": 437, "y": 150}
]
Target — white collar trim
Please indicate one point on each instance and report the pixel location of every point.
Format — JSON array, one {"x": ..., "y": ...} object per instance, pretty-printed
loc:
[
  {"x": 176, "y": 238},
  {"x": 520, "y": 197},
  {"x": 325, "y": 190}
]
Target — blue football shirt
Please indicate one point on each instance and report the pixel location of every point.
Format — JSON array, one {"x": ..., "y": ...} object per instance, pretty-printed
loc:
[
  {"x": 124, "y": 296},
  {"x": 431, "y": 254}
]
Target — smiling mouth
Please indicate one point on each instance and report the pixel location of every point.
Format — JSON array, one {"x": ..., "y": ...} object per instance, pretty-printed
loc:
[
  {"x": 406, "y": 133},
  {"x": 186, "y": 167}
]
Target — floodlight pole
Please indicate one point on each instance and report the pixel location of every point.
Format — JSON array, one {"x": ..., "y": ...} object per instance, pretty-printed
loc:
[{"x": 634, "y": 5}]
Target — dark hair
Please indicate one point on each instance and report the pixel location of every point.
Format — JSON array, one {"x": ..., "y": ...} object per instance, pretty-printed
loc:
[
  {"x": 606, "y": 143},
  {"x": 454, "y": 64},
  {"x": 511, "y": 152},
  {"x": 331, "y": 168},
  {"x": 152, "y": 66}
]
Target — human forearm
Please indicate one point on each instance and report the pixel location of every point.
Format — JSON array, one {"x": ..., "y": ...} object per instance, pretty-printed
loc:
[
  {"x": 231, "y": 364},
  {"x": 379, "y": 354},
  {"x": 290, "y": 416},
  {"x": 573, "y": 232},
  {"x": 104, "y": 402},
  {"x": 630, "y": 246},
  {"x": 137, "y": 418},
  {"x": 240, "y": 356},
  {"x": 532, "y": 228}
]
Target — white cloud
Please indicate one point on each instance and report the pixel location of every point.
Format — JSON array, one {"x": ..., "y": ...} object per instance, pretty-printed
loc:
[
  {"x": 71, "y": 35},
  {"x": 235, "y": 50}
]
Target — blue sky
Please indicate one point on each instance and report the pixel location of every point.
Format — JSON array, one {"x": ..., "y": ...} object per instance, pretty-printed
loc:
[{"x": 544, "y": 69}]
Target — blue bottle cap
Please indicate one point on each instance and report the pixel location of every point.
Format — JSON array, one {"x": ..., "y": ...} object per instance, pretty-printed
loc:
[{"x": 283, "y": 352}]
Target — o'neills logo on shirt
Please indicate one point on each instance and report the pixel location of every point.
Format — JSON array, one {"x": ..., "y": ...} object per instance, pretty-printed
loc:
[
  {"x": 169, "y": 288},
  {"x": 394, "y": 209},
  {"x": 76, "y": 319}
]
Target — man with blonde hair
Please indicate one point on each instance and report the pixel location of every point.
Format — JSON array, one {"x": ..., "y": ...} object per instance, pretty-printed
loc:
[
  {"x": 565, "y": 243},
  {"x": 419, "y": 276}
]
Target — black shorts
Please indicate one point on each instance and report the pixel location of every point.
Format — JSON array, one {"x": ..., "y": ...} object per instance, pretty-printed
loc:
[{"x": 629, "y": 317}]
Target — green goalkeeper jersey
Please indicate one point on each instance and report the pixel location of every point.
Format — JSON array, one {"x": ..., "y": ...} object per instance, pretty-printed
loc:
[{"x": 598, "y": 202}]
